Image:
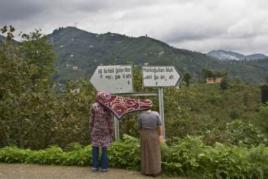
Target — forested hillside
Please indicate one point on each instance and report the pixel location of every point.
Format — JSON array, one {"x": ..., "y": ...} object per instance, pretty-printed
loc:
[{"x": 79, "y": 52}]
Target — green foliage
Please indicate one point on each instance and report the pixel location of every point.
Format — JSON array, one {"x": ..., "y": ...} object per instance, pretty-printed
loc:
[
  {"x": 51, "y": 155},
  {"x": 40, "y": 55},
  {"x": 24, "y": 101},
  {"x": 263, "y": 118},
  {"x": 125, "y": 153},
  {"x": 264, "y": 93},
  {"x": 8, "y": 31},
  {"x": 187, "y": 78},
  {"x": 32, "y": 112},
  {"x": 239, "y": 133},
  {"x": 224, "y": 84},
  {"x": 212, "y": 74},
  {"x": 184, "y": 157},
  {"x": 201, "y": 108}
]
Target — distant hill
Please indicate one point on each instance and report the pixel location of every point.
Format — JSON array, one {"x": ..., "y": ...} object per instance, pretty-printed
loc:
[
  {"x": 256, "y": 56},
  {"x": 80, "y": 52},
  {"x": 229, "y": 55}
]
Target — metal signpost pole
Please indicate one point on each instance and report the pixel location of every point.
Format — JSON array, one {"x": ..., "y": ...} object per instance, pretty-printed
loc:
[
  {"x": 116, "y": 128},
  {"x": 161, "y": 109}
]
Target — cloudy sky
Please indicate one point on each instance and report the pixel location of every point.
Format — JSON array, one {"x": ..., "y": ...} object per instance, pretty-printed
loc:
[{"x": 199, "y": 25}]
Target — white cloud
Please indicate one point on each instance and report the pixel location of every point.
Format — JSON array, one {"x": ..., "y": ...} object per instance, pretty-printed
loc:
[{"x": 199, "y": 25}]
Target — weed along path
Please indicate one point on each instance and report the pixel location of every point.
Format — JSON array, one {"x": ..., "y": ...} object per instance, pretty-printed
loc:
[{"x": 29, "y": 171}]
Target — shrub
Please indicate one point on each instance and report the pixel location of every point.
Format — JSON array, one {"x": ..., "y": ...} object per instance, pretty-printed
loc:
[
  {"x": 187, "y": 157},
  {"x": 238, "y": 132},
  {"x": 125, "y": 153}
]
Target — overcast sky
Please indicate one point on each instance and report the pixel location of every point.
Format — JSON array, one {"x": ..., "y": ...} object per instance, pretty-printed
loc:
[{"x": 199, "y": 25}]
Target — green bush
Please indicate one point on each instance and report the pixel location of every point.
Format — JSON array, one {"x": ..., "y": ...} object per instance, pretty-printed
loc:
[
  {"x": 191, "y": 157},
  {"x": 237, "y": 132},
  {"x": 185, "y": 157},
  {"x": 125, "y": 153},
  {"x": 263, "y": 118}
]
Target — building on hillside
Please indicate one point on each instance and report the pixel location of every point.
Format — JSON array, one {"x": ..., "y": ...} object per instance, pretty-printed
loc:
[
  {"x": 75, "y": 68},
  {"x": 212, "y": 80}
]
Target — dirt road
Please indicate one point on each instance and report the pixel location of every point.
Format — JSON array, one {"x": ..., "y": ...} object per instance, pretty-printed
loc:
[{"x": 27, "y": 171}]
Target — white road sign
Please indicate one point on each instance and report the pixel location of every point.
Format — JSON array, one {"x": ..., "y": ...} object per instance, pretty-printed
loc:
[
  {"x": 160, "y": 76},
  {"x": 113, "y": 79}
]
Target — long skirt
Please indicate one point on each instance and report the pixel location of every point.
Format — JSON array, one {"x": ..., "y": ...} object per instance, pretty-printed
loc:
[{"x": 150, "y": 152}]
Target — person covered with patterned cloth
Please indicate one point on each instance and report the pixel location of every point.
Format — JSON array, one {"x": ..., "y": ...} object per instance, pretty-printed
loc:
[
  {"x": 101, "y": 132},
  {"x": 151, "y": 136},
  {"x": 101, "y": 125}
]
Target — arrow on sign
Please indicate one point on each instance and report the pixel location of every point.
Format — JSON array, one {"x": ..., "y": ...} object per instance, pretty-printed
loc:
[
  {"x": 160, "y": 76},
  {"x": 113, "y": 79}
]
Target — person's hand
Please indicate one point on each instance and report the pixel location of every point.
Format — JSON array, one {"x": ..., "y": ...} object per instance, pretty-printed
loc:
[{"x": 161, "y": 139}]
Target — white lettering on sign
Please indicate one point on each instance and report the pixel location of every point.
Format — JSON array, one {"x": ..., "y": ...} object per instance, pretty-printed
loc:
[
  {"x": 160, "y": 76},
  {"x": 113, "y": 78}
]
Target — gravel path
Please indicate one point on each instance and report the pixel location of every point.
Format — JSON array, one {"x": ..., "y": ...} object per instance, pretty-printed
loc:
[{"x": 29, "y": 171}]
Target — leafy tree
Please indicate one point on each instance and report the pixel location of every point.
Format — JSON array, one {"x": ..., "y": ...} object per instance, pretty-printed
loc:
[
  {"x": 238, "y": 132},
  {"x": 264, "y": 93},
  {"x": 40, "y": 55},
  {"x": 25, "y": 79},
  {"x": 207, "y": 73},
  {"x": 224, "y": 84},
  {"x": 212, "y": 74},
  {"x": 187, "y": 78},
  {"x": 263, "y": 118},
  {"x": 8, "y": 30}
]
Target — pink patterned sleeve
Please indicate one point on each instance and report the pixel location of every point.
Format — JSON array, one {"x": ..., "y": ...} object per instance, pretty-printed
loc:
[{"x": 111, "y": 123}]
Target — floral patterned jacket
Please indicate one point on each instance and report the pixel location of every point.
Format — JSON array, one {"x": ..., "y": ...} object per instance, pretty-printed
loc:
[{"x": 101, "y": 126}]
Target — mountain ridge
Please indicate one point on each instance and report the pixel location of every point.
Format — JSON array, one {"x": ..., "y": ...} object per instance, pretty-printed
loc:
[
  {"x": 110, "y": 48},
  {"x": 231, "y": 55},
  {"x": 80, "y": 52}
]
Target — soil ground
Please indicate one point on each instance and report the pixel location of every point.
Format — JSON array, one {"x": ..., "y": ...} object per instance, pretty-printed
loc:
[{"x": 29, "y": 171}]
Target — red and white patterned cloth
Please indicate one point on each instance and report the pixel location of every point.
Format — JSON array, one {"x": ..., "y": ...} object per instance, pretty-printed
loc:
[{"x": 120, "y": 105}]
